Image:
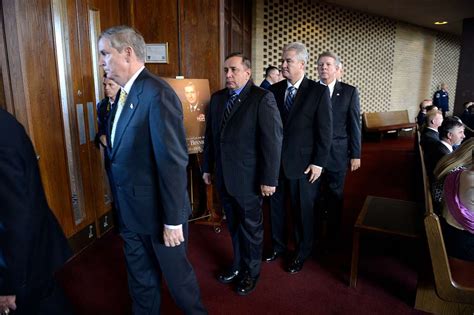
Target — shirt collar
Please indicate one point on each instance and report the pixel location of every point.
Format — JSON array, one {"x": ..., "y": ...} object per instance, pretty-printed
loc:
[
  {"x": 128, "y": 86},
  {"x": 447, "y": 145},
  {"x": 297, "y": 84},
  {"x": 330, "y": 86},
  {"x": 237, "y": 91}
]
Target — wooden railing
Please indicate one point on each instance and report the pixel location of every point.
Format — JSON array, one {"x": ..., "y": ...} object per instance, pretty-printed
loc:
[{"x": 440, "y": 292}]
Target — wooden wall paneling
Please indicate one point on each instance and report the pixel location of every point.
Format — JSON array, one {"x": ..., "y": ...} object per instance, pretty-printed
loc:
[
  {"x": 157, "y": 21},
  {"x": 247, "y": 28},
  {"x": 30, "y": 48},
  {"x": 200, "y": 41},
  {"x": 6, "y": 101},
  {"x": 112, "y": 12},
  {"x": 227, "y": 27},
  {"x": 238, "y": 26},
  {"x": 13, "y": 53}
]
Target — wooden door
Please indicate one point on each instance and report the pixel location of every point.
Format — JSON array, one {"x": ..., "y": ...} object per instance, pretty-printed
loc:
[{"x": 90, "y": 197}]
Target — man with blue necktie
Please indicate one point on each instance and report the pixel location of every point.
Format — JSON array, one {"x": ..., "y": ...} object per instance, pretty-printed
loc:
[
  {"x": 305, "y": 109},
  {"x": 242, "y": 146}
]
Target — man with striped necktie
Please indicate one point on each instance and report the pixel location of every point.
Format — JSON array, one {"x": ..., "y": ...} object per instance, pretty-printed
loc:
[
  {"x": 305, "y": 108},
  {"x": 243, "y": 145}
]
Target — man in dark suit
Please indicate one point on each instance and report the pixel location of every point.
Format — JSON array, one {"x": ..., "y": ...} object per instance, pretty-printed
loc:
[
  {"x": 272, "y": 76},
  {"x": 451, "y": 133},
  {"x": 307, "y": 122},
  {"x": 346, "y": 142},
  {"x": 32, "y": 244},
  {"x": 430, "y": 133},
  {"x": 425, "y": 106},
  {"x": 148, "y": 159},
  {"x": 103, "y": 110},
  {"x": 243, "y": 145}
]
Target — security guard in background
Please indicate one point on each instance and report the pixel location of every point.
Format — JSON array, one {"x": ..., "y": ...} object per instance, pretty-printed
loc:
[{"x": 441, "y": 99}]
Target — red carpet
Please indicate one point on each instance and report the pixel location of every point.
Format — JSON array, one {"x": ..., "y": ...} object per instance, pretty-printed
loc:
[{"x": 95, "y": 280}]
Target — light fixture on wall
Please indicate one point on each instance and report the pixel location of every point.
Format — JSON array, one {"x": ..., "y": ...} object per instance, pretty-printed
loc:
[{"x": 440, "y": 22}]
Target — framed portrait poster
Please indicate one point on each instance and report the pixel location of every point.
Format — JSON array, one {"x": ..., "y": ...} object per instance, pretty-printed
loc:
[{"x": 194, "y": 95}]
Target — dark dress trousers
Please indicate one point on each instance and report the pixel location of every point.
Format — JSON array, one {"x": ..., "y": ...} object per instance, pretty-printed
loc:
[
  {"x": 346, "y": 145},
  {"x": 148, "y": 173},
  {"x": 244, "y": 154},
  {"x": 307, "y": 135},
  {"x": 32, "y": 244}
]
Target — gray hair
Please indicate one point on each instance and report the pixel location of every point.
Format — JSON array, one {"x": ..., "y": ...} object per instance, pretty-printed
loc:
[
  {"x": 125, "y": 36},
  {"x": 337, "y": 60},
  {"x": 302, "y": 53}
]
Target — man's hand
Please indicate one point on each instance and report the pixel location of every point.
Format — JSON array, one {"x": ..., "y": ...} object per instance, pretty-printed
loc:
[
  {"x": 7, "y": 303},
  {"x": 173, "y": 237},
  {"x": 314, "y": 172},
  {"x": 267, "y": 191},
  {"x": 355, "y": 164},
  {"x": 207, "y": 178}
]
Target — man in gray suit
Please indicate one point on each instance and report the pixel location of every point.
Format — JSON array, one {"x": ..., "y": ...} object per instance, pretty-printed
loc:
[{"x": 243, "y": 145}]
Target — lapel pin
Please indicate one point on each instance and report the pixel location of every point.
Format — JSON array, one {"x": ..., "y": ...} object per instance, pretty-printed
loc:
[
  {"x": 337, "y": 94},
  {"x": 131, "y": 105}
]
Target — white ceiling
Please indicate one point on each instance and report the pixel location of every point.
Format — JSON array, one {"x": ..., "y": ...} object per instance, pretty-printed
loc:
[{"x": 418, "y": 12}]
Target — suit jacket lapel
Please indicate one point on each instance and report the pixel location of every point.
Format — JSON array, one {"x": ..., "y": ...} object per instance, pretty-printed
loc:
[
  {"x": 336, "y": 95},
  {"x": 129, "y": 109}
]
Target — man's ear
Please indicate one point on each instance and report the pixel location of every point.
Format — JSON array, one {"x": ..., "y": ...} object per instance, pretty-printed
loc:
[{"x": 128, "y": 53}]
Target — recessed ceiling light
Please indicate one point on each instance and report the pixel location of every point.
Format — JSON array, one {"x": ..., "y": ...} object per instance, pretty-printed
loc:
[{"x": 440, "y": 22}]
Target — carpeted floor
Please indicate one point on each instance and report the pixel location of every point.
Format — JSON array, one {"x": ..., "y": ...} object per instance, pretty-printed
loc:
[{"x": 95, "y": 280}]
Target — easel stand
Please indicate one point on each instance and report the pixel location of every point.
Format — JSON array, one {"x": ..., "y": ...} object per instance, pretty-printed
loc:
[{"x": 210, "y": 215}]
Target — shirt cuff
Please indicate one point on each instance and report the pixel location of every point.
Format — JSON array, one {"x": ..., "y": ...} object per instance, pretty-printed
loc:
[
  {"x": 318, "y": 167},
  {"x": 173, "y": 227}
]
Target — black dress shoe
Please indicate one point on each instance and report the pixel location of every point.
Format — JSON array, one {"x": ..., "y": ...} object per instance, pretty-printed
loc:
[
  {"x": 228, "y": 276},
  {"x": 246, "y": 285},
  {"x": 274, "y": 255},
  {"x": 295, "y": 266}
]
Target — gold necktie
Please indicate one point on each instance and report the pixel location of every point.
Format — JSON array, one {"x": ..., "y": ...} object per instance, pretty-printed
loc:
[
  {"x": 122, "y": 98},
  {"x": 121, "y": 104}
]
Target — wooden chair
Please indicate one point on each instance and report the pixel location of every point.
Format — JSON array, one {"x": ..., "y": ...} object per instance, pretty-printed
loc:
[{"x": 391, "y": 121}]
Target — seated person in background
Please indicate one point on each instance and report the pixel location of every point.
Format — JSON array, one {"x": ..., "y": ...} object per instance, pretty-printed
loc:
[
  {"x": 430, "y": 134},
  {"x": 420, "y": 119},
  {"x": 451, "y": 132},
  {"x": 272, "y": 76},
  {"x": 458, "y": 195},
  {"x": 468, "y": 118},
  {"x": 459, "y": 159},
  {"x": 103, "y": 109}
]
